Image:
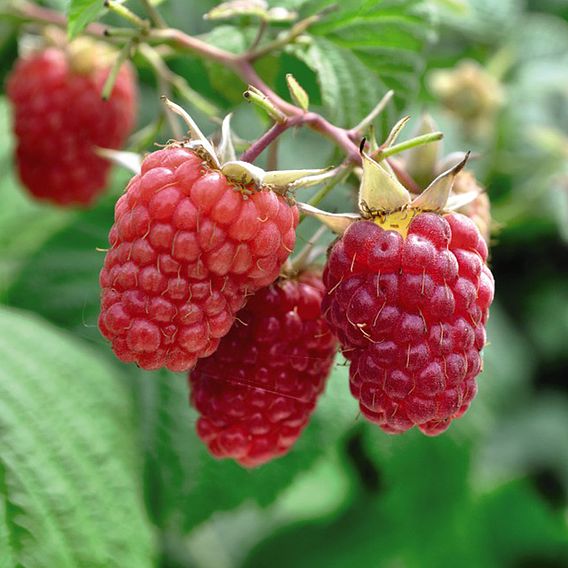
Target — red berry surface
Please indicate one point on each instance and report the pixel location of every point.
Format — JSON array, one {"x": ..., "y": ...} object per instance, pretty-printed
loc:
[
  {"x": 256, "y": 393},
  {"x": 59, "y": 117},
  {"x": 410, "y": 315},
  {"x": 187, "y": 247}
]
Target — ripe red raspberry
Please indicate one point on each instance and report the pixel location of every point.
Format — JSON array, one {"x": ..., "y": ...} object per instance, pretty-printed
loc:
[
  {"x": 410, "y": 311},
  {"x": 257, "y": 392},
  {"x": 187, "y": 247},
  {"x": 59, "y": 117}
]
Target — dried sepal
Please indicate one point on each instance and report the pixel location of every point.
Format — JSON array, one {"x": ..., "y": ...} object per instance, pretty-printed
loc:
[
  {"x": 225, "y": 148},
  {"x": 395, "y": 132},
  {"x": 316, "y": 178},
  {"x": 337, "y": 222},
  {"x": 459, "y": 200},
  {"x": 452, "y": 159},
  {"x": 196, "y": 136},
  {"x": 130, "y": 161},
  {"x": 436, "y": 195},
  {"x": 279, "y": 180},
  {"x": 379, "y": 190},
  {"x": 295, "y": 178},
  {"x": 379, "y": 107}
]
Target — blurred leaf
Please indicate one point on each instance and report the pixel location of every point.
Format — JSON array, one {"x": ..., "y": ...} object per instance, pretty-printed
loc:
[
  {"x": 520, "y": 529},
  {"x": 365, "y": 49},
  {"x": 547, "y": 317},
  {"x": 186, "y": 485},
  {"x": 529, "y": 439},
  {"x": 80, "y": 13},
  {"x": 258, "y": 8},
  {"x": 70, "y": 480},
  {"x": 427, "y": 514},
  {"x": 486, "y": 21},
  {"x": 420, "y": 517},
  {"x": 540, "y": 36},
  {"x": 6, "y": 551},
  {"x": 24, "y": 223},
  {"x": 508, "y": 363},
  {"x": 234, "y": 40},
  {"x": 60, "y": 281}
]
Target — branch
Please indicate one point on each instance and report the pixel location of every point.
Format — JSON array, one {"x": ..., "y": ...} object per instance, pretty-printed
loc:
[
  {"x": 257, "y": 147},
  {"x": 241, "y": 65}
]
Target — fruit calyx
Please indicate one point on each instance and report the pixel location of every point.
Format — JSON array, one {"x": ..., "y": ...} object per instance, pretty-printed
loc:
[
  {"x": 384, "y": 199},
  {"x": 222, "y": 157}
]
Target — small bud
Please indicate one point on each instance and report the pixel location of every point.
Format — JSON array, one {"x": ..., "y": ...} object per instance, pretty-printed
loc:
[
  {"x": 421, "y": 161},
  {"x": 471, "y": 93},
  {"x": 299, "y": 96}
]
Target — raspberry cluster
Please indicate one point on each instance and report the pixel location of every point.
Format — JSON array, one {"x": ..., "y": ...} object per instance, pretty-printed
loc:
[
  {"x": 410, "y": 313},
  {"x": 256, "y": 393},
  {"x": 60, "y": 117},
  {"x": 187, "y": 247}
]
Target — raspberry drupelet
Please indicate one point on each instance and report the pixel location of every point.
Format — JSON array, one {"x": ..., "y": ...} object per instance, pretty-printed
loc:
[
  {"x": 256, "y": 393},
  {"x": 409, "y": 309},
  {"x": 60, "y": 118},
  {"x": 187, "y": 247}
]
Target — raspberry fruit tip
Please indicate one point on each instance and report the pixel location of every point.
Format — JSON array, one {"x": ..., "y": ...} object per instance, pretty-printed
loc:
[
  {"x": 193, "y": 236},
  {"x": 408, "y": 296},
  {"x": 256, "y": 393},
  {"x": 60, "y": 118}
]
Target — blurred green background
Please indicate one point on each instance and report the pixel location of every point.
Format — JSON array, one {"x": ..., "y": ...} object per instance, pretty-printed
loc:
[{"x": 99, "y": 462}]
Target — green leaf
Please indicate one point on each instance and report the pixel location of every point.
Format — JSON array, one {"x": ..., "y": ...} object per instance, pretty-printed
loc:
[
  {"x": 80, "y": 13},
  {"x": 364, "y": 50},
  {"x": 188, "y": 485},
  {"x": 70, "y": 481}
]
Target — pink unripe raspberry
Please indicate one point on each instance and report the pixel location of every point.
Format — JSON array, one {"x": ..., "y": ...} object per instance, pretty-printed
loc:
[{"x": 187, "y": 247}]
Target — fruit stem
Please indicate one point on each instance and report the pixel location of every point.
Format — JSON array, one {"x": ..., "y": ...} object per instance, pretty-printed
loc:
[
  {"x": 241, "y": 65},
  {"x": 167, "y": 80},
  {"x": 368, "y": 120},
  {"x": 262, "y": 27},
  {"x": 343, "y": 172},
  {"x": 295, "y": 31},
  {"x": 384, "y": 153},
  {"x": 153, "y": 14},
  {"x": 303, "y": 258},
  {"x": 128, "y": 15},
  {"x": 257, "y": 147},
  {"x": 405, "y": 178},
  {"x": 123, "y": 55}
]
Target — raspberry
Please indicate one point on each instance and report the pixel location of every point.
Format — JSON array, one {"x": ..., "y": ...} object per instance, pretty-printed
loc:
[
  {"x": 187, "y": 247},
  {"x": 255, "y": 395},
  {"x": 410, "y": 311},
  {"x": 479, "y": 210},
  {"x": 59, "y": 117}
]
